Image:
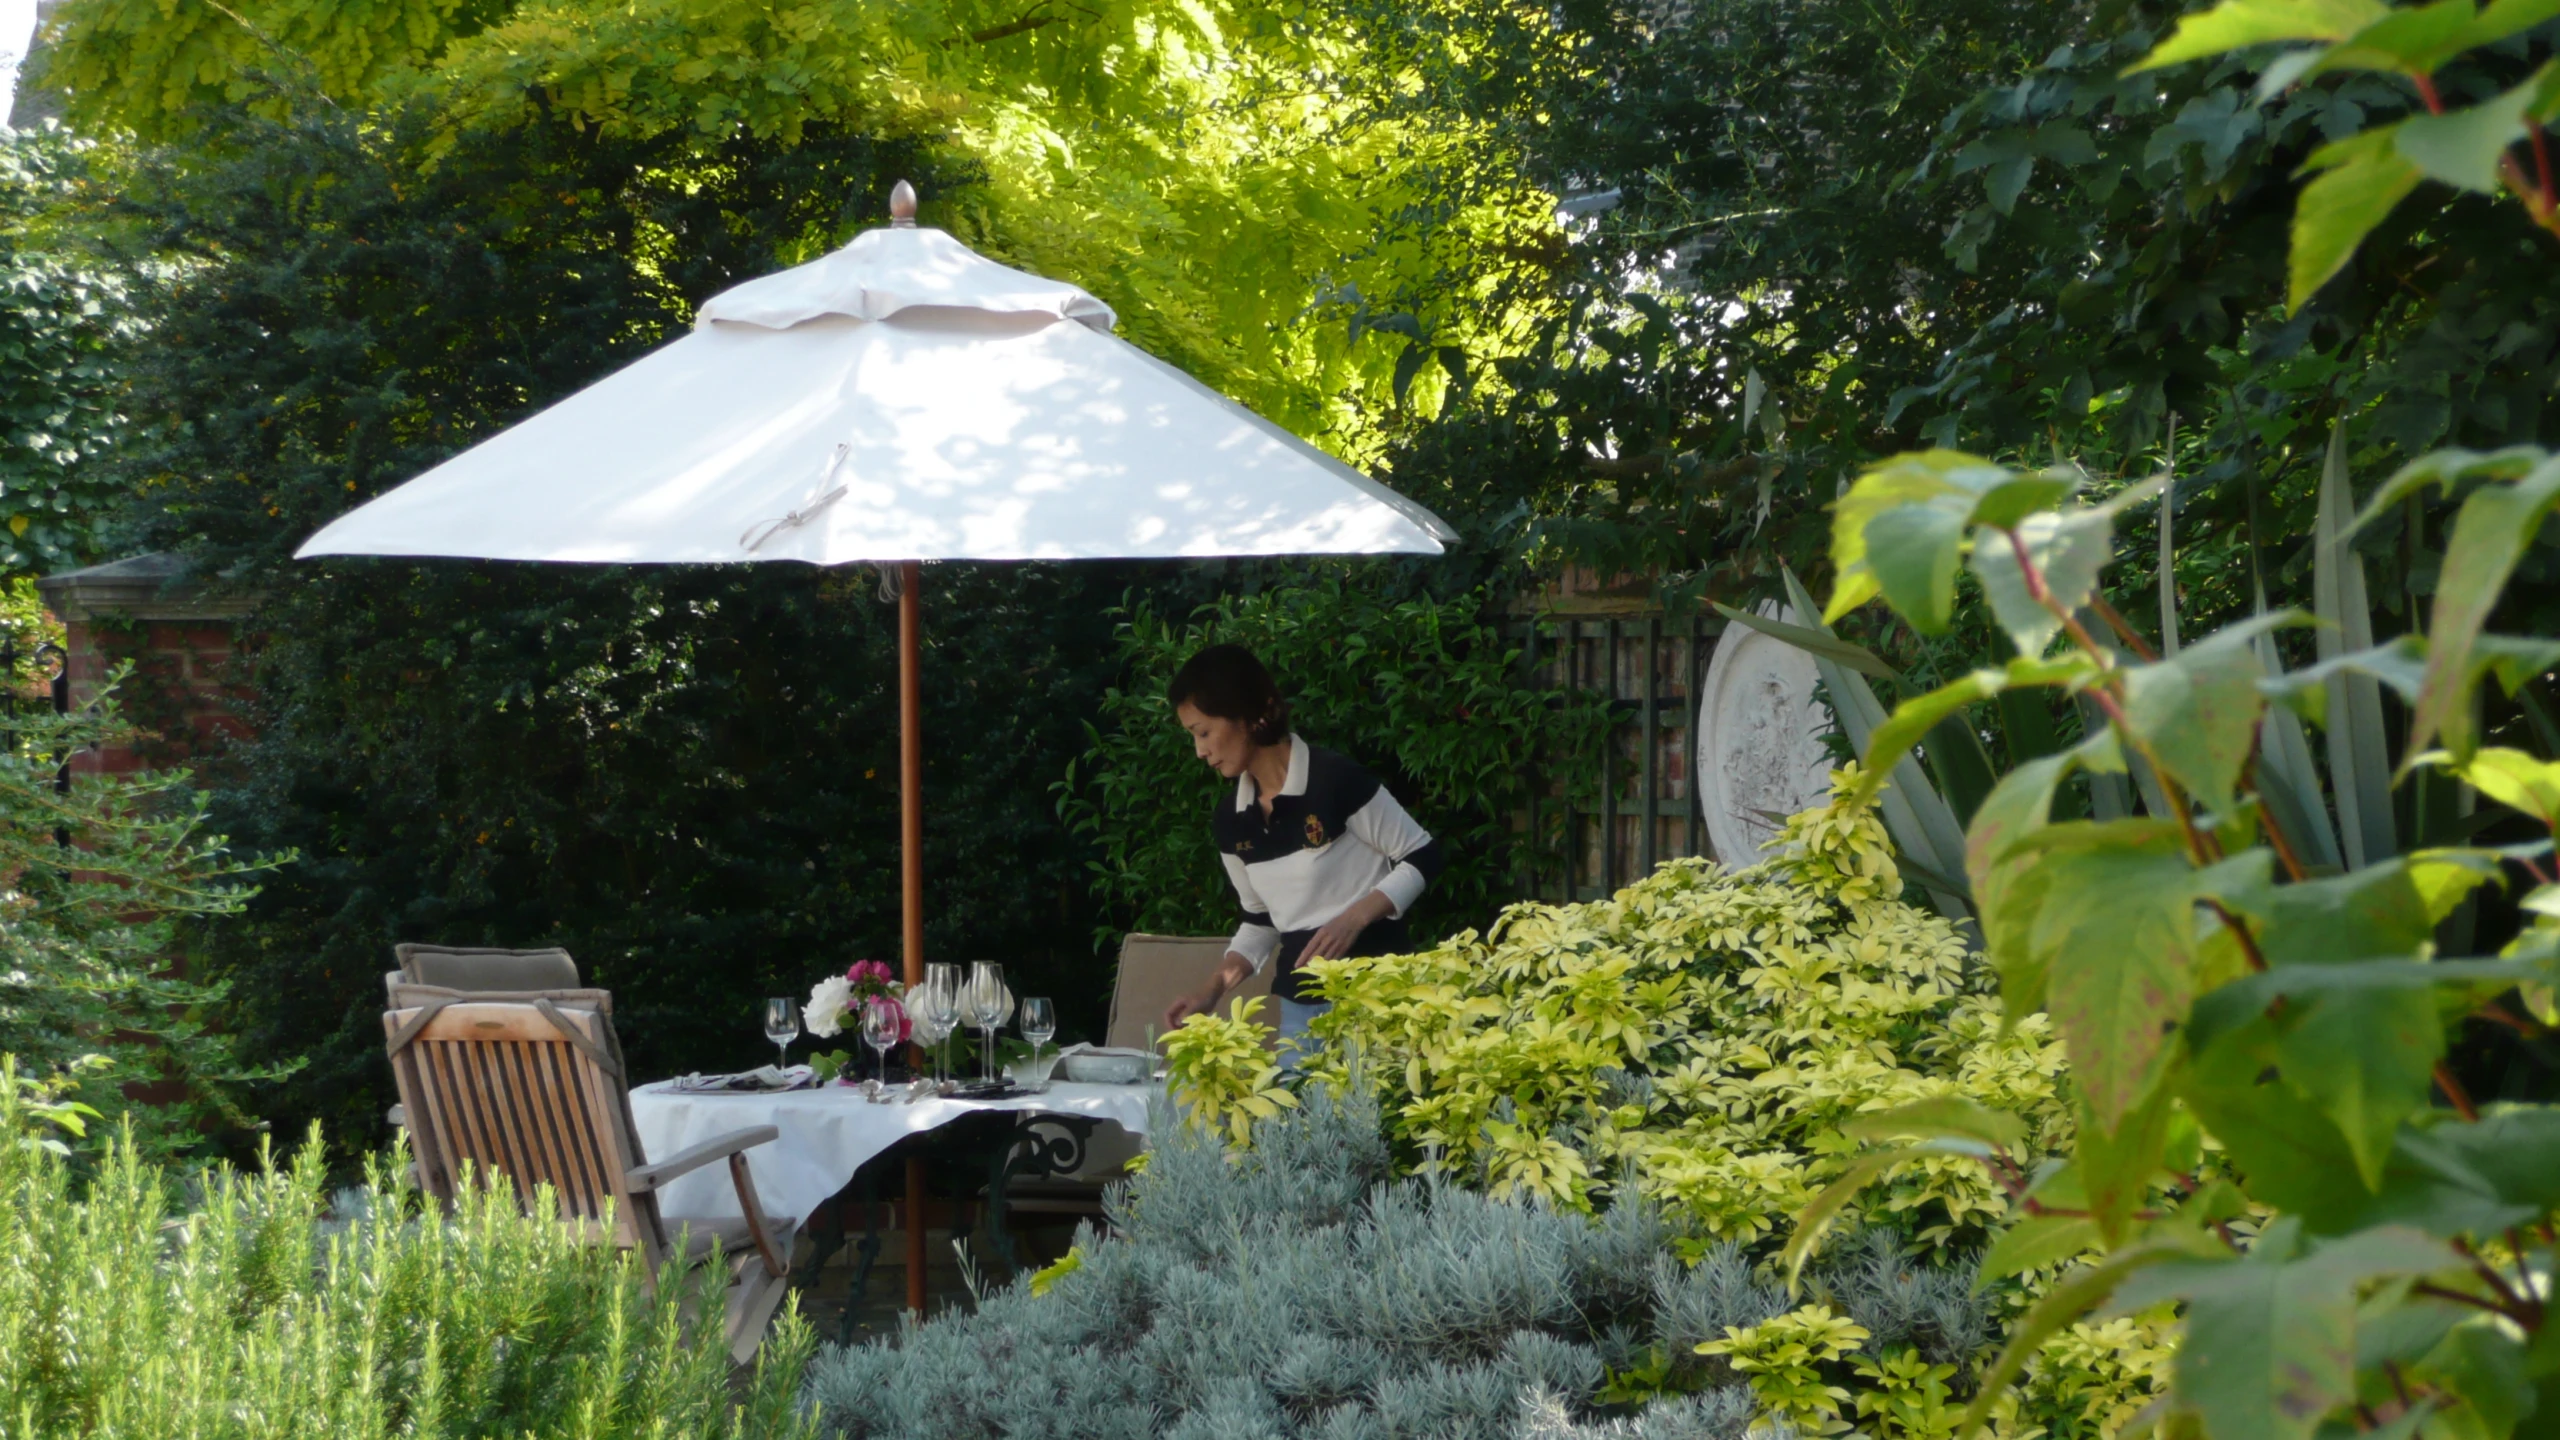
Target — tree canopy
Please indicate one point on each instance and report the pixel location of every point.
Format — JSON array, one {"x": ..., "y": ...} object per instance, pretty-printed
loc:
[{"x": 1222, "y": 173}]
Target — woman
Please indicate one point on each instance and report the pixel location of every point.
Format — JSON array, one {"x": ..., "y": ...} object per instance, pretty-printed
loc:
[{"x": 1324, "y": 861}]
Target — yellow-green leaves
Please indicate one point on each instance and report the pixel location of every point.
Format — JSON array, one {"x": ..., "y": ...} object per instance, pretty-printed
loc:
[
  {"x": 2359, "y": 179},
  {"x": 1778, "y": 1357},
  {"x": 2271, "y": 1337},
  {"x": 2196, "y": 713},
  {"x": 1900, "y": 530},
  {"x": 2008, "y": 885},
  {"x": 1223, "y": 1073},
  {"x": 2355, "y": 184},
  {"x": 1911, "y": 523},
  {"x": 1914, "y": 552},
  {"x": 2239, "y": 24},
  {"x": 1917, "y": 716},
  {"x": 2498, "y": 522},
  {"x": 2351, "y": 34},
  {"x": 2512, "y": 778},
  {"x": 2115, "y": 937}
]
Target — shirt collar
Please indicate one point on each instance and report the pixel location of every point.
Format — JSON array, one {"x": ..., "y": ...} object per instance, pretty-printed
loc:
[{"x": 1295, "y": 784}]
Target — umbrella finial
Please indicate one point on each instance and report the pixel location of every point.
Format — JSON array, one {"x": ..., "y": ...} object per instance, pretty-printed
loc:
[{"x": 902, "y": 206}]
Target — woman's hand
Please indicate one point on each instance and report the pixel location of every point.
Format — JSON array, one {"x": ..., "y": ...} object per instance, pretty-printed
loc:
[
  {"x": 1231, "y": 973},
  {"x": 1343, "y": 931}
]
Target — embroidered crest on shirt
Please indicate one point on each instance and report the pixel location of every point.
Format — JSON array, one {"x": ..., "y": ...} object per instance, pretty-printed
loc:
[{"x": 1315, "y": 831}]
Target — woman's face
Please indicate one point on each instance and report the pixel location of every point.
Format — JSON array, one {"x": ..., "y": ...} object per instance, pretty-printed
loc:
[{"x": 1223, "y": 745}]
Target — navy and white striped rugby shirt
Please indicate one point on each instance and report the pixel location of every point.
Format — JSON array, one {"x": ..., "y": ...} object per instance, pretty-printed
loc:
[{"x": 1333, "y": 835}]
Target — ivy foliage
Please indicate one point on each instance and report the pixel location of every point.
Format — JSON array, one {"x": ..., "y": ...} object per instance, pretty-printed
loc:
[
  {"x": 1421, "y": 690},
  {"x": 67, "y": 305}
]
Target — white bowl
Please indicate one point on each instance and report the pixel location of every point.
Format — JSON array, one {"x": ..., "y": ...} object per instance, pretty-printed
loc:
[{"x": 1109, "y": 1067}]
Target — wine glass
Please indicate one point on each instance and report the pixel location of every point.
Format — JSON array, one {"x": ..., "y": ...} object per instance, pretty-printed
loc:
[
  {"x": 882, "y": 1019},
  {"x": 781, "y": 1026},
  {"x": 932, "y": 1027},
  {"x": 939, "y": 1003},
  {"x": 985, "y": 1005},
  {"x": 1039, "y": 1022}
]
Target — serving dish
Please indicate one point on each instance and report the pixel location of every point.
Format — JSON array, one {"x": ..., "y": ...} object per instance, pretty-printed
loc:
[{"x": 1107, "y": 1067}]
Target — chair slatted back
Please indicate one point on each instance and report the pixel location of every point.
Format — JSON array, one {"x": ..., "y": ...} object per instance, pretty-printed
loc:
[{"x": 503, "y": 1089}]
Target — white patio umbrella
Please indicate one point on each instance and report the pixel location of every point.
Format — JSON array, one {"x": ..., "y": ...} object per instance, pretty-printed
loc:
[{"x": 903, "y": 399}]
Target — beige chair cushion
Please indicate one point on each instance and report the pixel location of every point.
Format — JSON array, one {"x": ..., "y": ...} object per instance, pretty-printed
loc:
[
  {"x": 484, "y": 970},
  {"x": 1155, "y": 970}
]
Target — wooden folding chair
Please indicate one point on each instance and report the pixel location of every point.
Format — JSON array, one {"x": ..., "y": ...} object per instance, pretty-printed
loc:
[{"x": 534, "y": 1091}]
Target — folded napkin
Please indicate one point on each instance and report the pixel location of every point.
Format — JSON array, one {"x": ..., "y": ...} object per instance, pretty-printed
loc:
[{"x": 766, "y": 1079}]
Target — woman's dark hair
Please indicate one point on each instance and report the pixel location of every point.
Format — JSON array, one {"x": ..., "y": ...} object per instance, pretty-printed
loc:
[{"x": 1228, "y": 682}]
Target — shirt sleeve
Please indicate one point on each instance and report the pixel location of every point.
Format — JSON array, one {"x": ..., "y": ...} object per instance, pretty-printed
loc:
[
  {"x": 1256, "y": 938},
  {"x": 1388, "y": 828}
]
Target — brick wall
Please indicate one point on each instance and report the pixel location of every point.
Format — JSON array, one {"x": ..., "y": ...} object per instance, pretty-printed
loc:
[{"x": 184, "y": 645}]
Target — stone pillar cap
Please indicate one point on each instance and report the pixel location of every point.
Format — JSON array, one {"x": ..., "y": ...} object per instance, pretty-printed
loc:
[{"x": 142, "y": 587}]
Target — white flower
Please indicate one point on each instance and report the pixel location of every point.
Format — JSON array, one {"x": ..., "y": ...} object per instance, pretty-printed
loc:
[{"x": 828, "y": 1000}]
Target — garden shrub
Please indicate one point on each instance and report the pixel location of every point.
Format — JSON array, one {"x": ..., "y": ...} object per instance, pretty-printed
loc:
[
  {"x": 266, "y": 1306},
  {"x": 88, "y": 997},
  {"x": 1701, "y": 1048},
  {"x": 1700, "y": 1038},
  {"x": 1299, "y": 1287}
]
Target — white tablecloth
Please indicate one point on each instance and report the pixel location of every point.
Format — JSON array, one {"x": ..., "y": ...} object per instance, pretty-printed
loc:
[{"x": 827, "y": 1134}]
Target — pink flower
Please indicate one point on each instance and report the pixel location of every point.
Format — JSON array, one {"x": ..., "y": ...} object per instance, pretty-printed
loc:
[{"x": 870, "y": 972}]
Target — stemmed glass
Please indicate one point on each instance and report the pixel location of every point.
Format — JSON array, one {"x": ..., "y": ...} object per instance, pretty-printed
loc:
[
  {"x": 1039, "y": 1022},
  {"x": 781, "y": 1026},
  {"x": 937, "y": 1009},
  {"x": 882, "y": 1019},
  {"x": 986, "y": 1004}
]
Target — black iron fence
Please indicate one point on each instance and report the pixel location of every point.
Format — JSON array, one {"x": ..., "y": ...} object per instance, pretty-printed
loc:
[{"x": 1651, "y": 667}]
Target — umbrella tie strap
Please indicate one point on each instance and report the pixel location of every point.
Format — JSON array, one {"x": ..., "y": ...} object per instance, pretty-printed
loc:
[{"x": 824, "y": 496}]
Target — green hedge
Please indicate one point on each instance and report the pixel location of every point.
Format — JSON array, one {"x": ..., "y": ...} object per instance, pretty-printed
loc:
[{"x": 1423, "y": 691}]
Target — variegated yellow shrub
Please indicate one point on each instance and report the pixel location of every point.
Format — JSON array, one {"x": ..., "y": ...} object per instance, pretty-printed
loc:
[
  {"x": 1702, "y": 1035},
  {"x": 1222, "y": 1072},
  {"x": 1699, "y": 1040}
]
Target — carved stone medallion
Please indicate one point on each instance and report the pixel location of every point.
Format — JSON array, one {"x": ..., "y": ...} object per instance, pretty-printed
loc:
[{"x": 1760, "y": 749}]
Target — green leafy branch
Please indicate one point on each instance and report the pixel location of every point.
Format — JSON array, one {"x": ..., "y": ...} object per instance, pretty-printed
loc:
[
  {"x": 2256, "y": 1041},
  {"x": 2357, "y": 182}
]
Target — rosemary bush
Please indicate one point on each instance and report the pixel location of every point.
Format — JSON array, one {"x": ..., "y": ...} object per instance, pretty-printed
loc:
[{"x": 265, "y": 1306}]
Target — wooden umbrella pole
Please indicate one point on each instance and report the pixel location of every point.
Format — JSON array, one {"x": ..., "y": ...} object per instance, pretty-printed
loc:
[{"x": 911, "y": 868}]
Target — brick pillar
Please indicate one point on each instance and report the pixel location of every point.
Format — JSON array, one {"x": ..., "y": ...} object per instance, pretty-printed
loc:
[{"x": 184, "y": 642}]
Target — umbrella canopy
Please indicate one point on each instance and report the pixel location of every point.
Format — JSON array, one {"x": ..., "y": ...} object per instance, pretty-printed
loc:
[{"x": 903, "y": 398}]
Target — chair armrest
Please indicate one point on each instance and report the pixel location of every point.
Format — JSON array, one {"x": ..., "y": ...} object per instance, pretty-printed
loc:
[{"x": 650, "y": 1177}]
